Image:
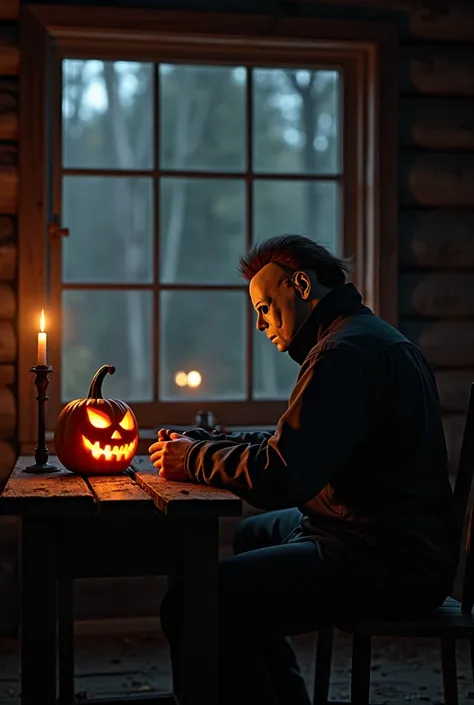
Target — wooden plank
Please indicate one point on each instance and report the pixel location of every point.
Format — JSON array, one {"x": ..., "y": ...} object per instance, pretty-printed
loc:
[
  {"x": 7, "y": 342},
  {"x": 436, "y": 123},
  {"x": 183, "y": 499},
  {"x": 8, "y": 257},
  {"x": 9, "y": 109},
  {"x": 444, "y": 344},
  {"x": 119, "y": 495},
  {"x": 9, "y": 54},
  {"x": 454, "y": 387},
  {"x": 438, "y": 238},
  {"x": 7, "y": 461},
  {"x": 8, "y": 179},
  {"x": 436, "y": 179},
  {"x": 7, "y": 301},
  {"x": 437, "y": 295},
  {"x": 60, "y": 494},
  {"x": 432, "y": 69},
  {"x": 7, "y": 375},
  {"x": 7, "y": 229},
  {"x": 9, "y": 9},
  {"x": 7, "y": 413},
  {"x": 451, "y": 21}
]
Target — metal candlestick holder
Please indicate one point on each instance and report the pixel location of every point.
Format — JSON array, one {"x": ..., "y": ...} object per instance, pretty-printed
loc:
[{"x": 41, "y": 453}]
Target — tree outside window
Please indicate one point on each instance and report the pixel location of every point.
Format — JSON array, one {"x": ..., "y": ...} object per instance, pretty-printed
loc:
[{"x": 168, "y": 173}]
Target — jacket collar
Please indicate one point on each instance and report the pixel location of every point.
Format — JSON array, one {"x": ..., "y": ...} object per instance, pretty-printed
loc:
[{"x": 342, "y": 301}]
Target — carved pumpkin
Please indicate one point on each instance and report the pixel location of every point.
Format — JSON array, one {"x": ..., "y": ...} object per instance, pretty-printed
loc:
[{"x": 96, "y": 436}]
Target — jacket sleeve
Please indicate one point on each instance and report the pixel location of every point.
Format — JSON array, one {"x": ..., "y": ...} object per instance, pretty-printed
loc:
[
  {"x": 200, "y": 434},
  {"x": 330, "y": 413}
]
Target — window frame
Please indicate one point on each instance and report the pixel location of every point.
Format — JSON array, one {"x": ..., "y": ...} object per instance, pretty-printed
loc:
[{"x": 366, "y": 53}]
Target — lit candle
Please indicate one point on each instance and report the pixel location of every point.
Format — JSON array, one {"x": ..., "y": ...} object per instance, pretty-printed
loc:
[{"x": 42, "y": 342}]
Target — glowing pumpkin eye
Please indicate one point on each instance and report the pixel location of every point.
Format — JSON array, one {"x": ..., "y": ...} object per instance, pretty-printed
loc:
[
  {"x": 98, "y": 419},
  {"x": 127, "y": 423}
]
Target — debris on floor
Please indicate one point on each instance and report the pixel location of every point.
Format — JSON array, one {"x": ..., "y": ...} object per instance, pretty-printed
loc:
[{"x": 403, "y": 670}]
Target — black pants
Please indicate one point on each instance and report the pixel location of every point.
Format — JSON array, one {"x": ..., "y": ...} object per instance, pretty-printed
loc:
[{"x": 269, "y": 591}]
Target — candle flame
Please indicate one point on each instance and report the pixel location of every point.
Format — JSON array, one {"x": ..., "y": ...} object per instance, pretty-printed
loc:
[{"x": 42, "y": 321}]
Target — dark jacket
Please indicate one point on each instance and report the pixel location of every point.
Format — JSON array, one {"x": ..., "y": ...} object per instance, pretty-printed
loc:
[{"x": 360, "y": 449}]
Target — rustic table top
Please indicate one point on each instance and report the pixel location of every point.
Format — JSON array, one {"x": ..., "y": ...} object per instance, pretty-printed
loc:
[{"x": 138, "y": 490}]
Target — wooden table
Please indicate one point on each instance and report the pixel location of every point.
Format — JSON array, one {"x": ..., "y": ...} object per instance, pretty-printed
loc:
[{"x": 71, "y": 527}]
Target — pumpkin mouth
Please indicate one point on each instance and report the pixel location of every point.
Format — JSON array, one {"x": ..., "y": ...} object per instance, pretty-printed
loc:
[{"x": 109, "y": 452}]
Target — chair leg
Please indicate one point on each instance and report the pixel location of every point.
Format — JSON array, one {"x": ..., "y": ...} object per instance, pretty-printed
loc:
[
  {"x": 471, "y": 651},
  {"x": 66, "y": 640},
  {"x": 322, "y": 674},
  {"x": 361, "y": 659},
  {"x": 448, "y": 665}
]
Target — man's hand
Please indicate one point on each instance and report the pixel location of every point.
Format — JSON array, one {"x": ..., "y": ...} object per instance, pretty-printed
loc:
[{"x": 167, "y": 454}]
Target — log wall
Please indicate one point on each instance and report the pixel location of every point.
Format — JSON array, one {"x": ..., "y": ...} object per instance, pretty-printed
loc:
[
  {"x": 9, "y": 113},
  {"x": 436, "y": 196}
]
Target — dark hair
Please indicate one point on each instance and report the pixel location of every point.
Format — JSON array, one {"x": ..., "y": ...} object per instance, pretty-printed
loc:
[{"x": 295, "y": 252}]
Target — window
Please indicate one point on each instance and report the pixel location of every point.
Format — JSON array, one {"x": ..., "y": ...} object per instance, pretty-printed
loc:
[{"x": 169, "y": 159}]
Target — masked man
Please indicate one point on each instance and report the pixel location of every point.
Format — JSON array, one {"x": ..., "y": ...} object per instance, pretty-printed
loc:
[{"x": 355, "y": 479}]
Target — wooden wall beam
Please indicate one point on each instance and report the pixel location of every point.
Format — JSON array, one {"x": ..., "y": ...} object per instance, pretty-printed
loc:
[
  {"x": 8, "y": 259},
  {"x": 7, "y": 301},
  {"x": 7, "y": 413},
  {"x": 443, "y": 70},
  {"x": 7, "y": 462},
  {"x": 7, "y": 375},
  {"x": 436, "y": 238},
  {"x": 9, "y": 53},
  {"x": 7, "y": 229},
  {"x": 9, "y": 9},
  {"x": 437, "y": 123},
  {"x": 8, "y": 178},
  {"x": 437, "y": 295},
  {"x": 436, "y": 179},
  {"x": 451, "y": 20},
  {"x": 9, "y": 109},
  {"x": 8, "y": 346},
  {"x": 443, "y": 343}
]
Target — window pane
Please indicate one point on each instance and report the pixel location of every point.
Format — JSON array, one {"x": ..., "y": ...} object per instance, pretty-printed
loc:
[
  {"x": 296, "y": 127},
  {"x": 107, "y": 114},
  {"x": 303, "y": 207},
  {"x": 202, "y": 331},
  {"x": 110, "y": 220},
  {"x": 202, "y": 117},
  {"x": 107, "y": 327},
  {"x": 202, "y": 230},
  {"x": 274, "y": 373}
]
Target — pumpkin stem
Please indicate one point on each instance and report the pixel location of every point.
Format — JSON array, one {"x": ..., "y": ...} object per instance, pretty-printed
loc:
[{"x": 95, "y": 390}]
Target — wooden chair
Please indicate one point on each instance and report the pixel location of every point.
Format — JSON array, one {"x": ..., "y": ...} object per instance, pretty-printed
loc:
[{"x": 452, "y": 621}]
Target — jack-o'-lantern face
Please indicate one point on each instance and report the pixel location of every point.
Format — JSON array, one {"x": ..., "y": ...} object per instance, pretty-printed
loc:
[
  {"x": 95, "y": 435},
  {"x": 108, "y": 438}
]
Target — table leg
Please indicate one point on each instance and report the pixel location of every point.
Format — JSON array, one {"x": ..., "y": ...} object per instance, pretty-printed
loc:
[
  {"x": 66, "y": 639},
  {"x": 199, "y": 566},
  {"x": 65, "y": 606},
  {"x": 38, "y": 611}
]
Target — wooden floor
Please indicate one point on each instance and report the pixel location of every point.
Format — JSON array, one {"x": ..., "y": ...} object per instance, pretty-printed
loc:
[{"x": 133, "y": 658}]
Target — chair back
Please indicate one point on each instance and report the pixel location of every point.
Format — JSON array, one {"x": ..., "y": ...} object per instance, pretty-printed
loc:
[{"x": 464, "y": 504}]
